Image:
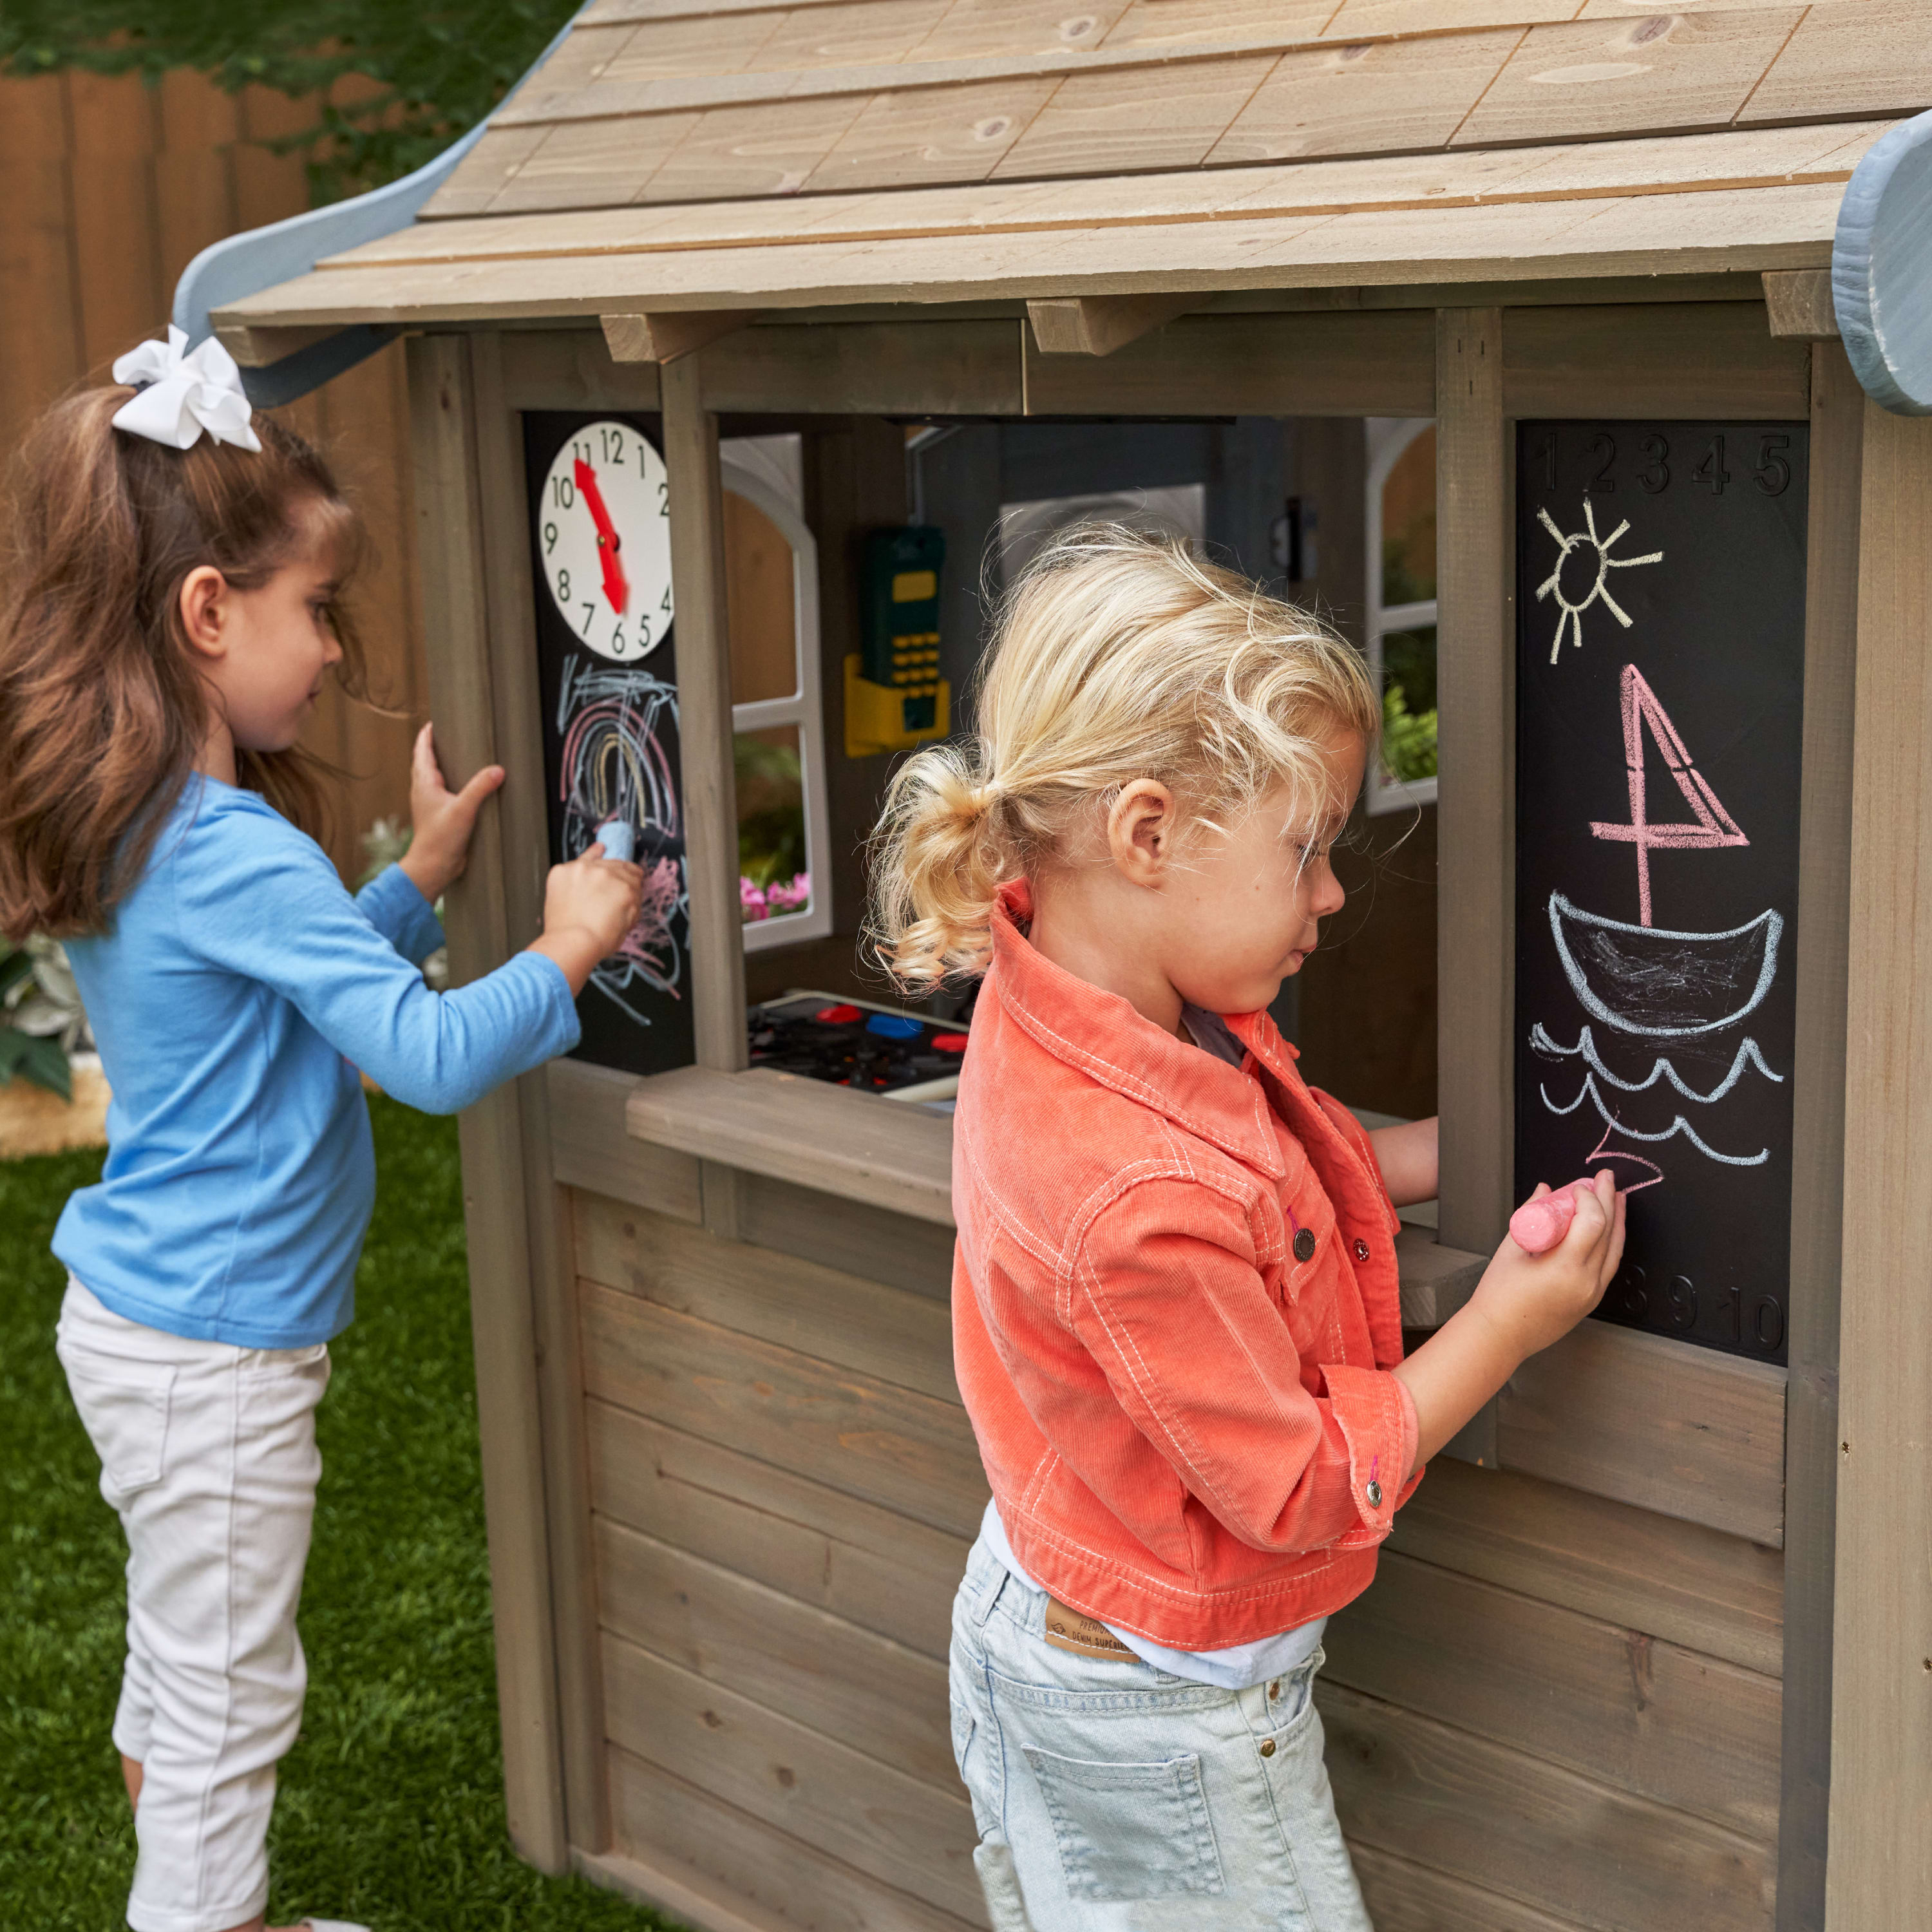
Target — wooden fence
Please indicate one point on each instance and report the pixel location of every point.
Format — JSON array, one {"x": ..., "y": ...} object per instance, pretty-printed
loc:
[{"x": 108, "y": 189}]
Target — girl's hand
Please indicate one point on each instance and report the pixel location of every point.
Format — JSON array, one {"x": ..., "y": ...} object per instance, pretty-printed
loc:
[
  {"x": 588, "y": 905},
  {"x": 1531, "y": 1300},
  {"x": 442, "y": 820}
]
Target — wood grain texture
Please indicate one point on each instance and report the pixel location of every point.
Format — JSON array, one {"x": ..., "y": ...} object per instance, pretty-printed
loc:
[
  {"x": 664, "y": 338},
  {"x": 737, "y": 152},
  {"x": 1678, "y": 1581},
  {"x": 1298, "y": 365},
  {"x": 885, "y": 1332},
  {"x": 585, "y": 164},
  {"x": 1549, "y": 1839},
  {"x": 1881, "y": 1811},
  {"x": 450, "y": 537},
  {"x": 1696, "y": 1735},
  {"x": 1098, "y": 324},
  {"x": 951, "y": 368},
  {"x": 871, "y": 1243},
  {"x": 1818, "y": 1130},
  {"x": 1846, "y": 60},
  {"x": 1711, "y": 359},
  {"x": 805, "y": 1131},
  {"x": 836, "y": 1678},
  {"x": 715, "y": 1867},
  {"x": 1476, "y": 801},
  {"x": 872, "y": 1440},
  {"x": 903, "y": 139},
  {"x": 871, "y": 1566},
  {"x": 571, "y": 369},
  {"x": 1685, "y": 1432},
  {"x": 894, "y": 1828},
  {"x": 704, "y": 719},
  {"x": 1436, "y": 1280},
  {"x": 1798, "y": 302},
  {"x": 590, "y": 1147},
  {"x": 1402, "y": 1897}
]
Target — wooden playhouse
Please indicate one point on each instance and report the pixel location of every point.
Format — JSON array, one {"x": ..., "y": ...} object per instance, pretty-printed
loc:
[{"x": 792, "y": 284}]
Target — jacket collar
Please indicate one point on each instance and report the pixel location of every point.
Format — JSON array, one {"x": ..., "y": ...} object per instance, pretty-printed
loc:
[{"x": 1101, "y": 1035}]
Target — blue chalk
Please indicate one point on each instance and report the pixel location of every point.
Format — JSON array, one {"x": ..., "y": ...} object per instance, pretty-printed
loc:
[
  {"x": 889, "y": 1026},
  {"x": 620, "y": 841}
]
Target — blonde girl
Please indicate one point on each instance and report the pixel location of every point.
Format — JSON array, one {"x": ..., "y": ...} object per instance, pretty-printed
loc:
[
  {"x": 173, "y": 605},
  {"x": 1176, "y": 1319}
]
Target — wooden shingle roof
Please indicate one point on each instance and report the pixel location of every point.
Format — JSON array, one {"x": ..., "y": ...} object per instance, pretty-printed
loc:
[{"x": 695, "y": 153}]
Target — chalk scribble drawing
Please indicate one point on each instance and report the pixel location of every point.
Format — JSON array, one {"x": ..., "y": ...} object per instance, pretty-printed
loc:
[
  {"x": 1569, "y": 611},
  {"x": 1660, "y": 984},
  {"x": 613, "y": 722}
]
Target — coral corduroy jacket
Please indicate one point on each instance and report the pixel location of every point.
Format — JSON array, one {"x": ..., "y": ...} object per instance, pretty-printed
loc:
[{"x": 1174, "y": 1311}]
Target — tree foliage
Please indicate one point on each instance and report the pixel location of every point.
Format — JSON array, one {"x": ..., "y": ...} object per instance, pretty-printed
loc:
[{"x": 440, "y": 65}]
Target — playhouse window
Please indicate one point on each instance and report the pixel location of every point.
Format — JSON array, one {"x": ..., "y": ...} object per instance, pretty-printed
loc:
[
  {"x": 771, "y": 565},
  {"x": 1400, "y": 604}
]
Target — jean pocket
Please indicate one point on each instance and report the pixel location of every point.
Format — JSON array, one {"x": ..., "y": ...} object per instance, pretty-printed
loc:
[
  {"x": 1128, "y": 1832},
  {"x": 124, "y": 1407}
]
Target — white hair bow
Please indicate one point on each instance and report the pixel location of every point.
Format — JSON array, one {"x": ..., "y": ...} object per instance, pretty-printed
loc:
[{"x": 180, "y": 395}]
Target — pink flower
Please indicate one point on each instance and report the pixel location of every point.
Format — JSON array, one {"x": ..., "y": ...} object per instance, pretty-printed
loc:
[
  {"x": 751, "y": 902},
  {"x": 792, "y": 898}
]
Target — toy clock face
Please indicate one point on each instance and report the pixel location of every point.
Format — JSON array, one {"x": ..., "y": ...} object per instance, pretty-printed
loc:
[{"x": 603, "y": 541}]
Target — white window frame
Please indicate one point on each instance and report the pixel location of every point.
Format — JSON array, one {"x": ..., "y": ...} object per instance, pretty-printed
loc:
[
  {"x": 803, "y": 708},
  {"x": 1389, "y": 438}
]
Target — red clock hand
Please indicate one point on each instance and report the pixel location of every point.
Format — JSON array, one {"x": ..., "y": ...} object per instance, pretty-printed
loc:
[{"x": 608, "y": 541}]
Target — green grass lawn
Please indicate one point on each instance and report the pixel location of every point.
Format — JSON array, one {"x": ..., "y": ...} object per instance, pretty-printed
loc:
[{"x": 392, "y": 1804}]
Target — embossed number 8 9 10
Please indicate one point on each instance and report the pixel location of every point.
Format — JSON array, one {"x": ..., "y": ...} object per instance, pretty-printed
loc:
[{"x": 1679, "y": 1305}]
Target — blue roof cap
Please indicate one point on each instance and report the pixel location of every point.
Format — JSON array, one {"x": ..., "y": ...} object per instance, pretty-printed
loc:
[{"x": 1881, "y": 269}]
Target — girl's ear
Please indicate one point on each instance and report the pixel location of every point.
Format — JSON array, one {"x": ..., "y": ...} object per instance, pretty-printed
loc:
[
  {"x": 1141, "y": 831},
  {"x": 204, "y": 610}
]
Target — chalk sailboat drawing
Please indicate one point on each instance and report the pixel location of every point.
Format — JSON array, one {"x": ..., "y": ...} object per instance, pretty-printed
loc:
[{"x": 1658, "y": 982}]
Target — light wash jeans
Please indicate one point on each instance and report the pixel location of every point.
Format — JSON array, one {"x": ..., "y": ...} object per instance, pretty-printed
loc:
[
  {"x": 208, "y": 1455},
  {"x": 1111, "y": 1797}
]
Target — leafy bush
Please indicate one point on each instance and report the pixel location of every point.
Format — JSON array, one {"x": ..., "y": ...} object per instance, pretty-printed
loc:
[{"x": 41, "y": 1020}]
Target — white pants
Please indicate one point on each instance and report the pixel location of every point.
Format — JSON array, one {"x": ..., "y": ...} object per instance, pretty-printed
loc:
[{"x": 208, "y": 1454}]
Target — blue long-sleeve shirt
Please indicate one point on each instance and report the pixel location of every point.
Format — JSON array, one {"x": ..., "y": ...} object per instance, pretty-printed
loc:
[{"x": 237, "y": 991}]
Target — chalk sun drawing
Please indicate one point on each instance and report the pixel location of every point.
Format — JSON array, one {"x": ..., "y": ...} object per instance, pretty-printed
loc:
[
  {"x": 1570, "y": 615},
  {"x": 1747, "y": 1055},
  {"x": 614, "y": 766},
  {"x": 1666, "y": 985},
  {"x": 1678, "y": 1126}
]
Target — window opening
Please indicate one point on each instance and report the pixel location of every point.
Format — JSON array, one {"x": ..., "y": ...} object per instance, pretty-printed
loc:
[{"x": 1402, "y": 608}]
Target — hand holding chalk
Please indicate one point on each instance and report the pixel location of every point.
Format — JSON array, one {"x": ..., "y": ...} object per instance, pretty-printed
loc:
[
  {"x": 619, "y": 840},
  {"x": 1540, "y": 1225}
]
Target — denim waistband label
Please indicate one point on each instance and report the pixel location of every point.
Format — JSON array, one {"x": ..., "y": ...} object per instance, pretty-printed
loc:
[{"x": 1085, "y": 1636}]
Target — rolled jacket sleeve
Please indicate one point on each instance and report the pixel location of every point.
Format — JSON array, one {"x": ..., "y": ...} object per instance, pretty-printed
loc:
[{"x": 1169, "y": 1295}]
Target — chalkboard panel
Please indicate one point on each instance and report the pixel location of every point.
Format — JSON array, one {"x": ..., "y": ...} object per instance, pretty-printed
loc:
[
  {"x": 607, "y": 679},
  {"x": 1660, "y": 682}
]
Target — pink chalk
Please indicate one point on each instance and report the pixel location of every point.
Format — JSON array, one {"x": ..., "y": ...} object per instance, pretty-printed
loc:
[{"x": 1538, "y": 1225}]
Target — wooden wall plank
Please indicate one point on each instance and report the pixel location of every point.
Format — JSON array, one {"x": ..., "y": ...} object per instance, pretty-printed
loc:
[
  {"x": 116, "y": 231},
  {"x": 1533, "y": 1831},
  {"x": 769, "y": 149},
  {"x": 570, "y": 368},
  {"x": 1653, "y": 1718},
  {"x": 1404, "y": 1897},
  {"x": 1881, "y": 1812},
  {"x": 1287, "y": 364},
  {"x": 872, "y": 1243},
  {"x": 1845, "y": 60},
  {"x": 884, "y": 1444},
  {"x": 1685, "y": 1431},
  {"x": 905, "y": 138},
  {"x": 884, "y": 1332},
  {"x": 781, "y": 1880},
  {"x": 1476, "y": 810},
  {"x": 1818, "y": 1130},
  {"x": 847, "y": 1682},
  {"x": 1677, "y": 1581},
  {"x": 1664, "y": 359},
  {"x": 871, "y": 1566},
  {"x": 938, "y": 368},
  {"x": 589, "y": 1147},
  {"x": 704, "y": 720},
  {"x": 450, "y": 539},
  {"x": 893, "y": 1827}
]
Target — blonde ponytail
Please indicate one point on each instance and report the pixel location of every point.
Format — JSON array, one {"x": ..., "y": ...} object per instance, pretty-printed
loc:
[{"x": 1118, "y": 655}]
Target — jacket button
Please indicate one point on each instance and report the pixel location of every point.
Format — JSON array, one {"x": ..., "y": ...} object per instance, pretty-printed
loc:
[
  {"x": 1267, "y": 1747},
  {"x": 1361, "y": 1249},
  {"x": 1304, "y": 1244},
  {"x": 1374, "y": 1493}
]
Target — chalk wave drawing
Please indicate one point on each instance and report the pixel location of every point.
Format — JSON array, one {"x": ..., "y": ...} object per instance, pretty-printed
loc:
[
  {"x": 614, "y": 765},
  {"x": 1664, "y": 984},
  {"x": 1747, "y": 1055},
  {"x": 1569, "y": 615},
  {"x": 1678, "y": 1126},
  {"x": 1603, "y": 1151}
]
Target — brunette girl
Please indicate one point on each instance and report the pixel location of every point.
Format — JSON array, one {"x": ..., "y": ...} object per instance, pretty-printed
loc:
[
  {"x": 1176, "y": 1319},
  {"x": 173, "y": 606}
]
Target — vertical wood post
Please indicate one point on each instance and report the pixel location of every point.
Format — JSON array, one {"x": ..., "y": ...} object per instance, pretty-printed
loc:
[
  {"x": 704, "y": 718},
  {"x": 1476, "y": 812},
  {"x": 1818, "y": 1133},
  {"x": 450, "y": 548},
  {"x": 1880, "y": 1874},
  {"x": 516, "y": 702}
]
